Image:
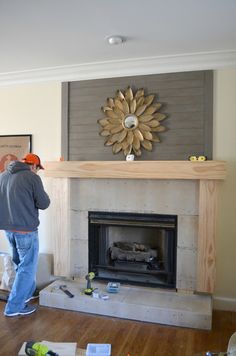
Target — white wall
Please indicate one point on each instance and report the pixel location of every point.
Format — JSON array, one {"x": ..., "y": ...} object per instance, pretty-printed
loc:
[{"x": 36, "y": 109}]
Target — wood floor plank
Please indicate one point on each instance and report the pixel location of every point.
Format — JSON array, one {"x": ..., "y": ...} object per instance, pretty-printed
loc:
[{"x": 127, "y": 337}]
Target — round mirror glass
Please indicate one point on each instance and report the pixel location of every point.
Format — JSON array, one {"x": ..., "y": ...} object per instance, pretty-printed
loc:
[{"x": 130, "y": 122}]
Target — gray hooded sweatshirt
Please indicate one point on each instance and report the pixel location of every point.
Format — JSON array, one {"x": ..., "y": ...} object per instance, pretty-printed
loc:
[{"x": 21, "y": 195}]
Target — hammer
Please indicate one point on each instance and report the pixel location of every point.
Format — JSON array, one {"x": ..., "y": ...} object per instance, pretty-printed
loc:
[{"x": 66, "y": 291}]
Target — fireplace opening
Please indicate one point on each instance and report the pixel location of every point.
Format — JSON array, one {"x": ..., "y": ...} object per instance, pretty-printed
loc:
[{"x": 133, "y": 248}]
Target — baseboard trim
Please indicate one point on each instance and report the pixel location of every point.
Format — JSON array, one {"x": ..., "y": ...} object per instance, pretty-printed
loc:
[{"x": 224, "y": 303}]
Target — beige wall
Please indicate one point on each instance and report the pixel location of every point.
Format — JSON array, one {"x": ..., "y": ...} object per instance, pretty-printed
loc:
[
  {"x": 36, "y": 109},
  {"x": 33, "y": 109},
  {"x": 225, "y": 149}
]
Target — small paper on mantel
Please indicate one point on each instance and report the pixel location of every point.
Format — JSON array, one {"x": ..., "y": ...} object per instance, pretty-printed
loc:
[{"x": 62, "y": 348}]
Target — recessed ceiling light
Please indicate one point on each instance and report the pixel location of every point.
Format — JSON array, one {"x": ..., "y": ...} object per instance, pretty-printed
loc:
[{"x": 114, "y": 40}]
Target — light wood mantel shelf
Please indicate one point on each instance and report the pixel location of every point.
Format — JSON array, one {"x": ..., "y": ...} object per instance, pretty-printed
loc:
[{"x": 136, "y": 169}]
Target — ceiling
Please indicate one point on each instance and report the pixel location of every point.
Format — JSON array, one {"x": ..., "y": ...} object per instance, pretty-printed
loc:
[{"x": 53, "y": 38}]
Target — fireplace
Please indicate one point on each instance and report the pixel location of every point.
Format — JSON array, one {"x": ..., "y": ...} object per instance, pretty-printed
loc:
[
  {"x": 183, "y": 189},
  {"x": 133, "y": 248}
]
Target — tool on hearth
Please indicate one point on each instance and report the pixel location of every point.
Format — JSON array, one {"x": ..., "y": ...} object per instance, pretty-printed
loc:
[
  {"x": 33, "y": 348},
  {"x": 113, "y": 287},
  {"x": 66, "y": 291},
  {"x": 89, "y": 277}
]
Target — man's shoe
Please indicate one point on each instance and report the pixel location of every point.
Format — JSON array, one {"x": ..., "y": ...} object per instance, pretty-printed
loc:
[
  {"x": 34, "y": 296},
  {"x": 28, "y": 309}
]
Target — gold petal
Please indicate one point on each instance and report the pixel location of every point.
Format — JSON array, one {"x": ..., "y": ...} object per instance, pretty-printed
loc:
[
  {"x": 116, "y": 137},
  {"x": 153, "y": 123},
  {"x": 140, "y": 101},
  {"x": 140, "y": 110},
  {"x": 144, "y": 127},
  {"x": 149, "y": 99},
  {"x": 108, "y": 142},
  {"x": 139, "y": 93},
  {"x": 138, "y": 134},
  {"x": 105, "y": 133},
  {"x": 122, "y": 135},
  {"x": 157, "y": 105},
  {"x": 137, "y": 152},
  {"x": 130, "y": 137},
  {"x": 155, "y": 138},
  {"x": 112, "y": 114},
  {"x": 117, "y": 129},
  {"x": 110, "y": 102},
  {"x": 125, "y": 144},
  {"x": 145, "y": 118},
  {"x": 109, "y": 126},
  {"x": 159, "y": 116},
  {"x": 136, "y": 143},
  {"x": 129, "y": 94},
  {"x": 103, "y": 122},
  {"x": 127, "y": 150},
  {"x": 158, "y": 129},
  {"x": 147, "y": 145},
  {"x": 119, "y": 112},
  {"x": 115, "y": 121},
  {"x": 125, "y": 107},
  {"x": 147, "y": 135},
  {"x": 132, "y": 106},
  {"x": 118, "y": 104},
  {"x": 105, "y": 108},
  {"x": 150, "y": 110},
  {"x": 116, "y": 147},
  {"x": 120, "y": 95}
]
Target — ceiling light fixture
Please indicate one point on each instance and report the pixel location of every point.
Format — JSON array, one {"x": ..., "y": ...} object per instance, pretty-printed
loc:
[{"x": 115, "y": 40}]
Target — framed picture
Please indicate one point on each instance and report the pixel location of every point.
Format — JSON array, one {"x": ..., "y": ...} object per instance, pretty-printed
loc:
[{"x": 13, "y": 147}]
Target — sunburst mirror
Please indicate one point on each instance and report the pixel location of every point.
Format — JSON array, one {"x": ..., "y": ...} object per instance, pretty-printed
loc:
[{"x": 132, "y": 122}]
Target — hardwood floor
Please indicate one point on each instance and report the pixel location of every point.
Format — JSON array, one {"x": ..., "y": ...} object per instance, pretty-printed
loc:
[{"x": 125, "y": 336}]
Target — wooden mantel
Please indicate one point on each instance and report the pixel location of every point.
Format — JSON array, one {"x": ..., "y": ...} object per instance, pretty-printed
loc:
[
  {"x": 208, "y": 173},
  {"x": 137, "y": 169}
]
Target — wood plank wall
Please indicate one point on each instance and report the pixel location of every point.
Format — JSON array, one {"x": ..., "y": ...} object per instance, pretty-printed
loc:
[{"x": 186, "y": 99}]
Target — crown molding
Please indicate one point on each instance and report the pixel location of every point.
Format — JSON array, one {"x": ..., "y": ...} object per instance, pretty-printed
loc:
[{"x": 126, "y": 67}]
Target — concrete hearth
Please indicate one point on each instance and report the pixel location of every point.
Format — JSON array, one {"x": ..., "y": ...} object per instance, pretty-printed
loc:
[{"x": 135, "y": 303}]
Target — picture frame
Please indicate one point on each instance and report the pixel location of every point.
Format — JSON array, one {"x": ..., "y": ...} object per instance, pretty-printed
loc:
[{"x": 13, "y": 147}]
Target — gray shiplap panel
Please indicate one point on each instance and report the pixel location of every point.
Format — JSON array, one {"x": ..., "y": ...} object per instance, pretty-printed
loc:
[
  {"x": 186, "y": 99},
  {"x": 64, "y": 120}
]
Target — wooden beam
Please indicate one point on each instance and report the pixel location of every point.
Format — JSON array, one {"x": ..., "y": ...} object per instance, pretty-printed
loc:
[
  {"x": 206, "y": 269},
  {"x": 136, "y": 169},
  {"x": 60, "y": 226}
]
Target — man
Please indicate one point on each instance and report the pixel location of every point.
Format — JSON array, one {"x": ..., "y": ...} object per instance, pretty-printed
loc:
[{"x": 21, "y": 195}]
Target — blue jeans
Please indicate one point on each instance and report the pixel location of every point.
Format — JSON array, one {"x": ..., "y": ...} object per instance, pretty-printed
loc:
[{"x": 25, "y": 250}]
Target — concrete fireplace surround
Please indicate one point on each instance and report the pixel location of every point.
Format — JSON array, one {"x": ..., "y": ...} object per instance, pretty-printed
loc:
[{"x": 182, "y": 188}]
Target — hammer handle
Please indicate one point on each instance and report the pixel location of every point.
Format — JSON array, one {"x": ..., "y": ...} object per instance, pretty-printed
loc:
[{"x": 67, "y": 292}]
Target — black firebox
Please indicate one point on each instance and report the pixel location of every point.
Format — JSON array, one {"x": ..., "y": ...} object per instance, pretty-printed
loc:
[{"x": 133, "y": 248}]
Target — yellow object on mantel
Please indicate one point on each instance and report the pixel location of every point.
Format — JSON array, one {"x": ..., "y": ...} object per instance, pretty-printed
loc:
[
  {"x": 136, "y": 169},
  {"x": 197, "y": 158}
]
